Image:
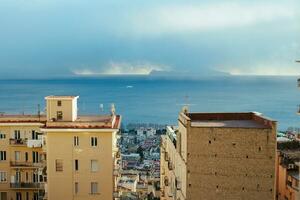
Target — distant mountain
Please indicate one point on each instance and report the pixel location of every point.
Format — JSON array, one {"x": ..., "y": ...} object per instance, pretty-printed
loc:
[{"x": 180, "y": 74}]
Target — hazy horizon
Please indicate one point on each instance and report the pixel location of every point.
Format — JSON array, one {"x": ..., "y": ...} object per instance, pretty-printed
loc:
[{"x": 62, "y": 38}]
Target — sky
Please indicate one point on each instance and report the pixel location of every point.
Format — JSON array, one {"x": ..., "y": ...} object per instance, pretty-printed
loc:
[{"x": 62, "y": 38}]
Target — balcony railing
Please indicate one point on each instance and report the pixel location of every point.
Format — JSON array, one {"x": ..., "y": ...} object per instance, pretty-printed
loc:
[
  {"x": 25, "y": 164},
  {"x": 21, "y": 142},
  {"x": 290, "y": 184},
  {"x": 116, "y": 172},
  {"x": 34, "y": 143},
  {"x": 26, "y": 185}
]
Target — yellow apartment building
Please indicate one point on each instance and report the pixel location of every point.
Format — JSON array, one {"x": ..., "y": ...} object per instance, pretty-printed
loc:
[
  {"x": 60, "y": 155},
  {"x": 219, "y": 156},
  {"x": 22, "y": 166}
]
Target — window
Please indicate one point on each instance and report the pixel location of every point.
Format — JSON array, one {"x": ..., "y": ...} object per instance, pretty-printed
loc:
[
  {"x": 94, "y": 165},
  {"x": 2, "y": 136},
  {"x": 58, "y": 103},
  {"x": 17, "y": 155},
  {"x": 3, "y": 195},
  {"x": 94, "y": 141},
  {"x": 35, "y": 157},
  {"x": 76, "y": 165},
  {"x": 27, "y": 195},
  {"x": 34, "y": 135},
  {"x": 76, "y": 187},
  {"x": 59, "y": 165},
  {"x": 26, "y": 176},
  {"x": 35, "y": 196},
  {"x": 18, "y": 177},
  {"x": 18, "y": 196},
  {"x": 35, "y": 177},
  {"x": 76, "y": 141},
  {"x": 59, "y": 115},
  {"x": 17, "y": 134},
  {"x": 2, "y": 155},
  {"x": 26, "y": 156},
  {"x": 3, "y": 177},
  {"x": 94, "y": 187}
]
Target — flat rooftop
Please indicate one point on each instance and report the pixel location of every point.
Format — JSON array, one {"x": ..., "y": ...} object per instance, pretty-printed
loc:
[
  {"x": 88, "y": 122},
  {"x": 4, "y": 118},
  {"x": 82, "y": 121},
  {"x": 227, "y": 120},
  {"x": 61, "y": 97}
]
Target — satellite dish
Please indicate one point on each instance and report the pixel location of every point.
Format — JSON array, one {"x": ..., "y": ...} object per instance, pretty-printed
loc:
[{"x": 185, "y": 109}]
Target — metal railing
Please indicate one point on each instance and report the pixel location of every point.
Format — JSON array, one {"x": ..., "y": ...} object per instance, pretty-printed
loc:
[
  {"x": 13, "y": 141},
  {"x": 25, "y": 164},
  {"x": 26, "y": 185}
]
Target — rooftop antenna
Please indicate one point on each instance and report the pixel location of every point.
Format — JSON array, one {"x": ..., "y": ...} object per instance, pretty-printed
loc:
[
  {"x": 185, "y": 108},
  {"x": 39, "y": 111},
  {"x": 101, "y": 106},
  {"x": 113, "y": 109},
  {"x": 23, "y": 112}
]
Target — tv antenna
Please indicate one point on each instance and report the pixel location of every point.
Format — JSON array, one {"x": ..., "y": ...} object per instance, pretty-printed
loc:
[{"x": 101, "y": 106}]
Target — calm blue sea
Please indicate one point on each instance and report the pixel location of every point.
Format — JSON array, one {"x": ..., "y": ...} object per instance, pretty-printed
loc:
[{"x": 145, "y": 99}]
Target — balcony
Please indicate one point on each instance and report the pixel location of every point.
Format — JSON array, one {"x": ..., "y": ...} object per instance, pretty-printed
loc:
[
  {"x": 170, "y": 165},
  {"x": 17, "y": 142},
  {"x": 18, "y": 164},
  {"x": 116, "y": 195},
  {"x": 23, "y": 185},
  {"x": 34, "y": 143},
  {"x": 293, "y": 187},
  {"x": 116, "y": 172}
]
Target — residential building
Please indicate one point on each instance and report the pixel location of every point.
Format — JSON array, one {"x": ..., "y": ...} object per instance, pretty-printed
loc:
[
  {"x": 59, "y": 155},
  {"x": 22, "y": 157},
  {"x": 219, "y": 156},
  {"x": 288, "y": 163}
]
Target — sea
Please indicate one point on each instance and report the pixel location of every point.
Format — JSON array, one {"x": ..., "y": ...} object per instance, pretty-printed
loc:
[{"x": 145, "y": 99}]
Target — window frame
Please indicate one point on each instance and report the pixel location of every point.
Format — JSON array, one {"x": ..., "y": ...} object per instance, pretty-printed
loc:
[
  {"x": 3, "y": 180},
  {"x": 59, "y": 115},
  {"x": 76, "y": 165},
  {"x": 94, "y": 141},
  {"x": 59, "y": 165},
  {"x": 2, "y": 155},
  {"x": 94, "y": 165},
  {"x": 94, "y": 185}
]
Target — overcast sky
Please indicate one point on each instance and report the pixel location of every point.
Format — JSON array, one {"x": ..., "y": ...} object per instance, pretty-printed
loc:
[{"x": 57, "y": 38}]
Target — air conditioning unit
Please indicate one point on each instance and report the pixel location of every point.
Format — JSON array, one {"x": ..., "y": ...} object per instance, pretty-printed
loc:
[
  {"x": 167, "y": 156},
  {"x": 170, "y": 165},
  {"x": 178, "y": 184},
  {"x": 166, "y": 181},
  {"x": 291, "y": 166}
]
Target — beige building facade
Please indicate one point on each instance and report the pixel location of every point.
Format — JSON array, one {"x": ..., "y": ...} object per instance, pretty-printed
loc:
[
  {"x": 219, "y": 156},
  {"x": 22, "y": 161},
  {"x": 59, "y": 155}
]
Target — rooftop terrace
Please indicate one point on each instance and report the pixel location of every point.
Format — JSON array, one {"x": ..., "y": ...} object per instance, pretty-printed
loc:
[
  {"x": 227, "y": 120},
  {"x": 82, "y": 121}
]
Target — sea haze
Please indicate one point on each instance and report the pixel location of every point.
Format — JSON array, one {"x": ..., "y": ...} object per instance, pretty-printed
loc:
[{"x": 157, "y": 100}]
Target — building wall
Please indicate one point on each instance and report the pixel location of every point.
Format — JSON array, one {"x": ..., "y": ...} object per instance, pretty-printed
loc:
[
  {"x": 230, "y": 163},
  {"x": 60, "y": 145},
  {"x": 285, "y": 192},
  {"x": 7, "y": 166},
  {"x": 176, "y": 173},
  {"x": 67, "y": 107}
]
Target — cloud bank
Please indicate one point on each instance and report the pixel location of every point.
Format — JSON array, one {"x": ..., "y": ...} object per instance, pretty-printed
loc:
[
  {"x": 121, "y": 68},
  {"x": 179, "y": 18}
]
